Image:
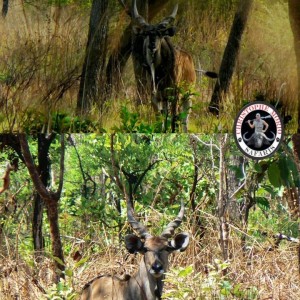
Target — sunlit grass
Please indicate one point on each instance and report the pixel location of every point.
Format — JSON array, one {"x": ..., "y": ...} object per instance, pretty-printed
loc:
[
  {"x": 269, "y": 274},
  {"x": 46, "y": 47}
]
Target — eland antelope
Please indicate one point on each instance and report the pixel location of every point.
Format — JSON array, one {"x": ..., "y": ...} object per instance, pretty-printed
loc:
[{"x": 169, "y": 67}]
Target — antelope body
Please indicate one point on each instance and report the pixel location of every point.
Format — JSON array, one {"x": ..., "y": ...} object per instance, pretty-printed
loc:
[
  {"x": 168, "y": 66},
  {"x": 147, "y": 283}
]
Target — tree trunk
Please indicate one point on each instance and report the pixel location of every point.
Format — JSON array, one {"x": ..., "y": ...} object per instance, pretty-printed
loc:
[
  {"x": 92, "y": 76},
  {"x": 223, "y": 199},
  {"x": 230, "y": 54},
  {"x": 193, "y": 195},
  {"x": 44, "y": 172},
  {"x": 247, "y": 203},
  {"x": 11, "y": 141},
  {"x": 294, "y": 13},
  {"x": 236, "y": 161},
  {"x": 56, "y": 244},
  {"x": 50, "y": 199},
  {"x": 37, "y": 226},
  {"x": 4, "y": 8},
  {"x": 296, "y": 148}
]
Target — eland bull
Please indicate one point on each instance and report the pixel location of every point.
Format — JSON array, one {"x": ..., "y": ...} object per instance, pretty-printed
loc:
[
  {"x": 168, "y": 66},
  {"x": 147, "y": 283}
]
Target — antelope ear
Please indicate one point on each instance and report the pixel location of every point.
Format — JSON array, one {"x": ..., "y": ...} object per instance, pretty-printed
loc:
[
  {"x": 180, "y": 242},
  {"x": 133, "y": 243},
  {"x": 171, "y": 31}
]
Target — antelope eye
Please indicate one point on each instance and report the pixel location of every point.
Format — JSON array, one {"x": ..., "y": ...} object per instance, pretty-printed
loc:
[{"x": 162, "y": 26}]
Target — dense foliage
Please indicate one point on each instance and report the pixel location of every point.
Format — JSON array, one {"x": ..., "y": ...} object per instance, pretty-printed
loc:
[
  {"x": 156, "y": 171},
  {"x": 43, "y": 47}
]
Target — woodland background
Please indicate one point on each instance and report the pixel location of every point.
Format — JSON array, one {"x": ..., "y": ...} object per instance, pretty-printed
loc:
[
  {"x": 43, "y": 58},
  {"x": 64, "y": 217}
]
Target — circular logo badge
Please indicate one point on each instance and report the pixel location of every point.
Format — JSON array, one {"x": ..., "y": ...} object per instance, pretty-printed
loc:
[{"x": 258, "y": 130}]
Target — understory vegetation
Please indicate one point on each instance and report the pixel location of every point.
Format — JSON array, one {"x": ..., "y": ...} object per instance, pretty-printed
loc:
[
  {"x": 43, "y": 46},
  {"x": 255, "y": 208}
]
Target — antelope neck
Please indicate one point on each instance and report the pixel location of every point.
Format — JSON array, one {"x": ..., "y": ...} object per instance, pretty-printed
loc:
[{"x": 150, "y": 287}]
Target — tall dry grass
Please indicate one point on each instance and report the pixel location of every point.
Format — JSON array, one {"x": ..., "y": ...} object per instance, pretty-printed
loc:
[
  {"x": 266, "y": 64},
  {"x": 41, "y": 55},
  {"x": 42, "y": 50},
  {"x": 271, "y": 274}
]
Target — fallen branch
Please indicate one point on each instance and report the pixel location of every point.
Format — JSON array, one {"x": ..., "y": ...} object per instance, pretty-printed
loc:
[{"x": 77, "y": 240}]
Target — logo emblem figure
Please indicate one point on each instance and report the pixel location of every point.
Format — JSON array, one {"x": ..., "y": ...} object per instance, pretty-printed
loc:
[{"x": 258, "y": 130}]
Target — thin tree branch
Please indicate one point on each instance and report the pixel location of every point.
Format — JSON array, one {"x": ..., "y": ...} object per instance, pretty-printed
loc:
[
  {"x": 62, "y": 166},
  {"x": 85, "y": 175},
  {"x": 242, "y": 185},
  {"x": 141, "y": 177},
  {"x": 72, "y": 142},
  {"x": 38, "y": 184},
  {"x": 114, "y": 166},
  {"x": 205, "y": 144}
]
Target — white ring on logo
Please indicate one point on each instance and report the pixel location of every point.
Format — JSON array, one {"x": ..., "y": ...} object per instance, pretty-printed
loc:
[{"x": 238, "y": 134}]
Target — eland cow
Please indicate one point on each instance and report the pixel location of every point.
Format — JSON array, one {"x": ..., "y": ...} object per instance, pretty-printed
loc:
[{"x": 168, "y": 66}]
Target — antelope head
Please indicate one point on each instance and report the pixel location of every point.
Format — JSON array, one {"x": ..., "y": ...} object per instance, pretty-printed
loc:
[
  {"x": 152, "y": 36},
  {"x": 156, "y": 249},
  {"x": 147, "y": 283}
]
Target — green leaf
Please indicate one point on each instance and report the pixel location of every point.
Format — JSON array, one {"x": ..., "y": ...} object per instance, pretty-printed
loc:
[
  {"x": 274, "y": 175},
  {"x": 257, "y": 168},
  {"x": 237, "y": 290},
  {"x": 226, "y": 285},
  {"x": 58, "y": 260},
  {"x": 263, "y": 202},
  {"x": 270, "y": 189},
  {"x": 284, "y": 171},
  {"x": 185, "y": 272},
  {"x": 81, "y": 262},
  {"x": 69, "y": 272},
  {"x": 60, "y": 286},
  {"x": 291, "y": 165}
]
